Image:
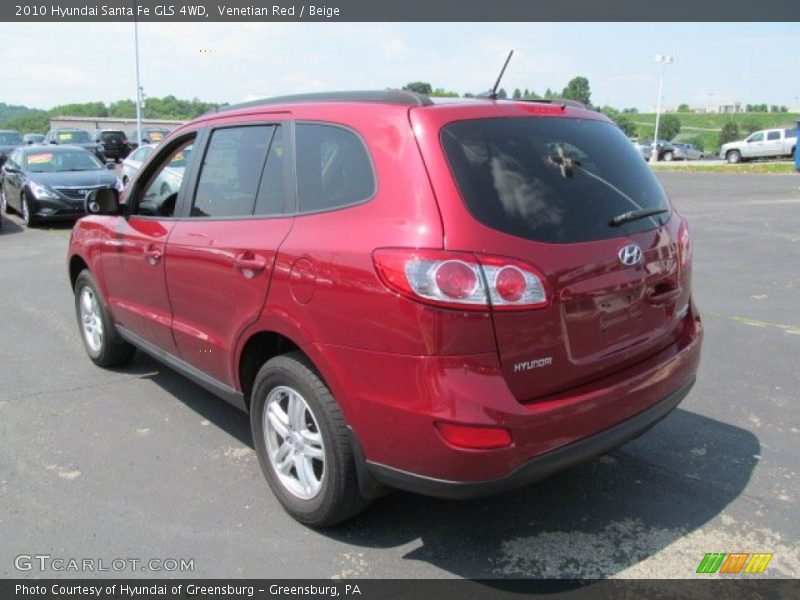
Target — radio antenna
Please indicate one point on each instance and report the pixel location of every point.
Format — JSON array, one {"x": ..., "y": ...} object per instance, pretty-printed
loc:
[{"x": 493, "y": 93}]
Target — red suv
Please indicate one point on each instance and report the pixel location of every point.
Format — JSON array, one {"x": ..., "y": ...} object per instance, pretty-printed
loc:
[{"x": 454, "y": 299}]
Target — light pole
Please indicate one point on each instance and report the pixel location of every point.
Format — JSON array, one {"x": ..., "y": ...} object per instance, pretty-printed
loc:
[
  {"x": 664, "y": 60},
  {"x": 708, "y": 106},
  {"x": 138, "y": 87}
]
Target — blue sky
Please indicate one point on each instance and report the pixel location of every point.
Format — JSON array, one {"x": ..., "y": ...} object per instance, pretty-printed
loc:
[{"x": 46, "y": 64}]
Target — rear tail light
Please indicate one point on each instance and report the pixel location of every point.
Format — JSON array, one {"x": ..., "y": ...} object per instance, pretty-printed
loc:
[
  {"x": 684, "y": 244},
  {"x": 461, "y": 279},
  {"x": 474, "y": 437}
]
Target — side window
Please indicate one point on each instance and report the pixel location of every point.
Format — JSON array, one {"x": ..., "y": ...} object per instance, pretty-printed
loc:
[
  {"x": 791, "y": 133},
  {"x": 773, "y": 135},
  {"x": 231, "y": 171},
  {"x": 164, "y": 184},
  {"x": 756, "y": 137},
  {"x": 272, "y": 197},
  {"x": 333, "y": 168}
]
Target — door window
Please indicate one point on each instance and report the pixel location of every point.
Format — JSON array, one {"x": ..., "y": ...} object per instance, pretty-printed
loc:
[
  {"x": 231, "y": 171},
  {"x": 773, "y": 135},
  {"x": 165, "y": 182},
  {"x": 756, "y": 137}
]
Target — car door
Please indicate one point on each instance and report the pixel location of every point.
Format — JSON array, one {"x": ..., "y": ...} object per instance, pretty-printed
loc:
[
  {"x": 773, "y": 144},
  {"x": 12, "y": 180},
  {"x": 134, "y": 273},
  {"x": 755, "y": 145},
  {"x": 221, "y": 253}
]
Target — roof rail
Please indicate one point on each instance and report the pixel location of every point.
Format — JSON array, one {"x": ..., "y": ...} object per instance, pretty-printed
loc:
[{"x": 402, "y": 97}]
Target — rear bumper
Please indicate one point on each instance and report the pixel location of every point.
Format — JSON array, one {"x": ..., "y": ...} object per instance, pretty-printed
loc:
[{"x": 537, "y": 468}]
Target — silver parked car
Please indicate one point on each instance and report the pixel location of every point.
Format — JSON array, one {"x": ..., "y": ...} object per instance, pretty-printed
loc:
[
  {"x": 687, "y": 152},
  {"x": 643, "y": 148},
  {"x": 134, "y": 162}
]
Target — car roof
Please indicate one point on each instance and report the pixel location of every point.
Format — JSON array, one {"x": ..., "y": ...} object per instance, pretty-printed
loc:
[{"x": 58, "y": 148}]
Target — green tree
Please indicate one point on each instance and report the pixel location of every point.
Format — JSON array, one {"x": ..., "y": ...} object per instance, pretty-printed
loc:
[
  {"x": 548, "y": 94},
  {"x": 443, "y": 93},
  {"x": 501, "y": 93},
  {"x": 684, "y": 108},
  {"x": 420, "y": 87},
  {"x": 729, "y": 133},
  {"x": 517, "y": 95},
  {"x": 578, "y": 89},
  {"x": 669, "y": 126},
  {"x": 750, "y": 125}
]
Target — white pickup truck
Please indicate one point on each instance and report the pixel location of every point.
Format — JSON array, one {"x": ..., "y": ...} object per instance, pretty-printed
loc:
[{"x": 768, "y": 143}]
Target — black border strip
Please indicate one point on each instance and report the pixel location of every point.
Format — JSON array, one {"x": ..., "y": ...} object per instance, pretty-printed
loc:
[{"x": 407, "y": 10}]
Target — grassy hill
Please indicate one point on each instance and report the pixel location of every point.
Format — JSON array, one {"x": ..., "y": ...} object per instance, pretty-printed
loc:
[{"x": 708, "y": 126}]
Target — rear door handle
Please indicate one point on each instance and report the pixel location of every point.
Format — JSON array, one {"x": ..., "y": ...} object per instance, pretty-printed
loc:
[
  {"x": 152, "y": 255},
  {"x": 249, "y": 263}
]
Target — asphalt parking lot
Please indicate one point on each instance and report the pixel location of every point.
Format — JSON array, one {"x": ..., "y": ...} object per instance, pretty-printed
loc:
[{"x": 140, "y": 463}]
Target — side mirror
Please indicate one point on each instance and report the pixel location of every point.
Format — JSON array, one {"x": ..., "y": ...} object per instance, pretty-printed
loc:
[
  {"x": 53, "y": 142},
  {"x": 110, "y": 166},
  {"x": 104, "y": 201},
  {"x": 10, "y": 168}
]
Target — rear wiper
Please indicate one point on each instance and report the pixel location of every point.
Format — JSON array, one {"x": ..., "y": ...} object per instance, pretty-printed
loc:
[{"x": 635, "y": 215}]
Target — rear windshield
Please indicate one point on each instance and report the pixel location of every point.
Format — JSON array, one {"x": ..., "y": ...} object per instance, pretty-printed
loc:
[
  {"x": 113, "y": 135},
  {"x": 73, "y": 137},
  {"x": 551, "y": 179}
]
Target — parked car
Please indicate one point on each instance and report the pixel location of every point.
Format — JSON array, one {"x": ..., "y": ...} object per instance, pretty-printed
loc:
[
  {"x": 150, "y": 135},
  {"x": 76, "y": 137},
  {"x": 768, "y": 143},
  {"x": 114, "y": 142},
  {"x": 169, "y": 179},
  {"x": 45, "y": 182},
  {"x": 643, "y": 148},
  {"x": 687, "y": 152},
  {"x": 455, "y": 299},
  {"x": 132, "y": 164},
  {"x": 665, "y": 149},
  {"x": 33, "y": 138},
  {"x": 9, "y": 141}
]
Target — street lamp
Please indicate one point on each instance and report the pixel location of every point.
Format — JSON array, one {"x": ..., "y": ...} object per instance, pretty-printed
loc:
[
  {"x": 138, "y": 86},
  {"x": 664, "y": 60}
]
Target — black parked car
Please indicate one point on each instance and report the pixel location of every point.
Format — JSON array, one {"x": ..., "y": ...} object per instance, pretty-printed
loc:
[
  {"x": 76, "y": 137},
  {"x": 44, "y": 182},
  {"x": 33, "y": 138},
  {"x": 115, "y": 143},
  {"x": 9, "y": 140}
]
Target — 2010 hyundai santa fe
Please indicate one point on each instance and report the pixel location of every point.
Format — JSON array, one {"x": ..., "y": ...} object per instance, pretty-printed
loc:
[{"x": 454, "y": 299}]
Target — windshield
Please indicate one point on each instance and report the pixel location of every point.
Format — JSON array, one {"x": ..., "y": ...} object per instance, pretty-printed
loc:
[
  {"x": 55, "y": 162},
  {"x": 112, "y": 135},
  {"x": 551, "y": 179},
  {"x": 73, "y": 137},
  {"x": 9, "y": 139}
]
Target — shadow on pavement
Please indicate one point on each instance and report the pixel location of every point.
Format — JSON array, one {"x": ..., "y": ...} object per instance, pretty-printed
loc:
[{"x": 591, "y": 522}]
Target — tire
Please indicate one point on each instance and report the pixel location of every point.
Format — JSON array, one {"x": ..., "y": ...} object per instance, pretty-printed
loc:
[
  {"x": 668, "y": 156},
  {"x": 100, "y": 337},
  {"x": 327, "y": 493},
  {"x": 26, "y": 213},
  {"x": 733, "y": 157}
]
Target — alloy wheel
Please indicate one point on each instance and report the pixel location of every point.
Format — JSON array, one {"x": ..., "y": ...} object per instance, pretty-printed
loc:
[
  {"x": 294, "y": 443},
  {"x": 91, "y": 320}
]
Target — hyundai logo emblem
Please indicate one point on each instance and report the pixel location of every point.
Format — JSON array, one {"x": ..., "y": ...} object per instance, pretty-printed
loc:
[{"x": 630, "y": 254}]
